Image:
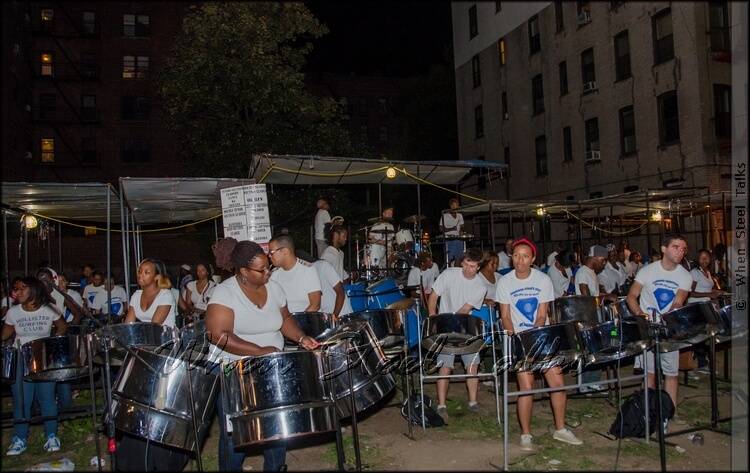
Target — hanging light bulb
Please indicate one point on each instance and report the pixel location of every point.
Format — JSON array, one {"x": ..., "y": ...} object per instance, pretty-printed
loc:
[
  {"x": 390, "y": 173},
  {"x": 30, "y": 222},
  {"x": 656, "y": 216}
]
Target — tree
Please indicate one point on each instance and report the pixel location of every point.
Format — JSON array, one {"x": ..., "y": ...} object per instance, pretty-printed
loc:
[{"x": 234, "y": 87}]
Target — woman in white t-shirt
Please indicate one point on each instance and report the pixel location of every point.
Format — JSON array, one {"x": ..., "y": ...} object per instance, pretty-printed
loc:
[
  {"x": 154, "y": 301},
  {"x": 198, "y": 291},
  {"x": 704, "y": 286},
  {"x": 30, "y": 319}
]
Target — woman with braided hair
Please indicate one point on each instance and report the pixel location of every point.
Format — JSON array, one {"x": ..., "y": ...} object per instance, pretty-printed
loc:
[{"x": 247, "y": 315}]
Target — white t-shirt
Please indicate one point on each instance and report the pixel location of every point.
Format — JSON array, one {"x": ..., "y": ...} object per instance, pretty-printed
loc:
[
  {"x": 336, "y": 258},
  {"x": 164, "y": 297},
  {"x": 119, "y": 297},
  {"x": 703, "y": 283},
  {"x": 560, "y": 281},
  {"x": 504, "y": 260},
  {"x": 524, "y": 297},
  {"x": 33, "y": 325},
  {"x": 254, "y": 324},
  {"x": 491, "y": 287},
  {"x": 321, "y": 218},
  {"x": 79, "y": 300},
  {"x": 428, "y": 277},
  {"x": 551, "y": 259},
  {"x": 612, "y": 277},
  {"x": 383, "y": 231},
  {"x": 90, "y": 292},
  {"x": 200, "y": 300},
  {"x": 328, "y": 280},
  {"x": 298, "y": 283},
  {"x": 660, "y": 287},
  {"x": 455, "y": 291},
  {"x": 587, "y": 276},
  {"x": 447, "y": 221}
]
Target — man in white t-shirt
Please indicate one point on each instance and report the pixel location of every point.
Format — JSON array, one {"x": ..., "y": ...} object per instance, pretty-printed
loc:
[
  {"x": 424, "y": 273},
  {"x": 334, "y": 299},
  {"x": 381, "y": 238},
  {"x": 333, "y": 253},
  {"x": 118, "y": 303},
  {"x": 451, "y": 225},
  {"x": 659, "y": 288},
  {"x": 504, "y": 257},
  {"x": 460, "y": 290},
  {"x": 298, "y": 278},
  {"x": 91, "y": 290},
  {"x": 321, "y": 218}
]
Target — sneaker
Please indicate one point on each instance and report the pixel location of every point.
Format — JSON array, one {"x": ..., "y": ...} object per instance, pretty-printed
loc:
[
  {"x": 52, "y": 444},
  {"x": 704, "y": 369},
  {"x": 567, "y": 436},
  {"x": 479, "y": 409},
  {"x": 488, "y": 383},
  {"x": 597, "y": 387},
  {"x": 18, "y": 446},
  {"x": 526, "y": 444},
  {"x": 443, "y": 412},
  {"x": 585, "y": 389}
]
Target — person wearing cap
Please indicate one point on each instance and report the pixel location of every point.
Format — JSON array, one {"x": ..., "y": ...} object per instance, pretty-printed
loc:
[
  {"x": 659, "y": 288},
  {"x": 321, "y": 218},
  {"x": 451, "y": 224},
  {"x": 524, "y": 295},
  {"x": 337, "y": 220}
]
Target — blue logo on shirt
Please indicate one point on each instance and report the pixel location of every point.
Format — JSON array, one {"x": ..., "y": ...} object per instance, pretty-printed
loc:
[
  {"x": 528, "y": 307},
  {"x": 663, "y": 297}
]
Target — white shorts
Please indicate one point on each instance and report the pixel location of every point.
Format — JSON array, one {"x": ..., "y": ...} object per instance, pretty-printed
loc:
[
  {"x": 447, "y": 361},
  {"x": 670, "y": 363}
]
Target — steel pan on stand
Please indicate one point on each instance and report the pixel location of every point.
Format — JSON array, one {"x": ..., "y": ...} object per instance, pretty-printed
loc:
[
  {"x": 576, "y": 309},
  {"x": 141, "y": 334},
  {"x": 613, "y": 340},
  {"x": 546, "y": 347},
  {"x": 8, "y": 360},
  {"x": 314, "y": 324},
  {"x": 690, "y": 325},
  {"x": 455, "y": 334},
  {"x": 59, "y": 358}
]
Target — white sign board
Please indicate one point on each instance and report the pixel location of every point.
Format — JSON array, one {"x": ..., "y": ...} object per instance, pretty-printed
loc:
[{"x": 245, "y": 212}]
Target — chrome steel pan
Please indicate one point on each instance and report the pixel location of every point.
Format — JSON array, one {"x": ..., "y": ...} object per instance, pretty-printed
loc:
[
  {"x": 8, "y": 360},
  {"x": 141, "y": 334},
  {"x": 193, "y": 343},
  {"x": 455, "y": 334},
  {"x": 60, "y": 358},
  {"x": 689, "y": 325},
  {"x": 576, "y": 309},
  {"x": 611, "y": 341},
  {"x": 277, "y": 396},
  {"x": 314, "y": 324},
  {"x": 387, "y": 325},
  {"x": 545, "y": 347},
  {"x": 732, "y": 328},
  {"x": 137, "y": 403}
]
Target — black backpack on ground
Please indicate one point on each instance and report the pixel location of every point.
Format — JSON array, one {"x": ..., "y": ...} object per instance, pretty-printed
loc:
[
  {"x": 414, "y": 406},
  {"x": 631, "y": 419}
]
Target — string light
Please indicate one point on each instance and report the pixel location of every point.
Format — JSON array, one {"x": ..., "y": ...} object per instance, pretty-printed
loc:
[
  {"x": 390, "y": 173},
  {"x": 30, "y": 222}
]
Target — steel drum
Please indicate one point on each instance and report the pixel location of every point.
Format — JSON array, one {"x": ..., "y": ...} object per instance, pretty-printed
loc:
[
  {"x": 689, "y": 325},
  {"x": 732, "y": 328},
  {"x": 151, "y": 398},
  {"x": 617, "y": 310},
  {"x": 546, "y": 347},
  {"x": 576, "y": 309},
  {"x": 353, "y": 350},
  {"x": 277, "y": 396},
  {"x": 194, "y": 343},
  {"x": 387, "y": 325},
  {"x": 455, "y": 334},
  {"x": 142, "y": 334},
  {"x": 314, "y": 324},
  {"x": 59, "y": 358},
  {"x": 8, "y": 360},
  {"x": 613, "y": 340}
]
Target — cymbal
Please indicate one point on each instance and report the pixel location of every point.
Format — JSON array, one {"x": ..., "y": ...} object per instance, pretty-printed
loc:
[
  {"x": 404, "y": 304},
  {"x": 379, "y": 219},
  {"x": 414, "y": 218}
]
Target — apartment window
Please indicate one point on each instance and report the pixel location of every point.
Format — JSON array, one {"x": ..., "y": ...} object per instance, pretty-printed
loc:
[
  {"x": 476, "y": 71},
  {"x": 592, "y": 134},
  {"x": 718, "y": 23},
  {"x": 537, "y": 94},
  {"x": 48, "y": 150},
  {"x": 48, "y": 20},
  {"x": 622, "y": 56},
  {"x": 588, "y": 71},
  {"x": 47, "y": 107},
  {"x": 363, "y": 105},
  {"x": 135, "y": 151},
  {"x": 627, "y": 131},
  {"x": 534, "y": 42},
  {"x": 135, "y": 26},
  {"x": 88, "y": 150},
  {"x": 559, "y": 15},
  {"x": 48, "y": 64},
  {"x": 473, "y": 26},
  {"x": 135, "y": 67},
  {"x": 89, "y": 23},
  {"x": 383, "y": 106},
  {"x": 669, "y": 119},
  {"x": 562, "y": 69},
  {"x": 478, "y": 122},
  {"x": 567, "y": 145},
  {"x": 384, "y": 134},
  {"x": 498, "y": 7},
  {"x": 363, "y": 133},
  {"x": 541, "y": 155},
  {"x": 504, "y": 104},
  {"x": 501, "y": 50},
  {"x": 723, "y": 111},
  {"x": 88, "y": 108},
  {"x": 88, "y": 65},
  {"x": 663, "y": 44}
]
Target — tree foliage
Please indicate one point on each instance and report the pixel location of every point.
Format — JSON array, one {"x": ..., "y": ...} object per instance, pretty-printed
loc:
[{"x": 233, "y": 87}]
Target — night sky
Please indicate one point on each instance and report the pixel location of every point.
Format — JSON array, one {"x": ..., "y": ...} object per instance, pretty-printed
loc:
[{"x": 393, "y": 39}]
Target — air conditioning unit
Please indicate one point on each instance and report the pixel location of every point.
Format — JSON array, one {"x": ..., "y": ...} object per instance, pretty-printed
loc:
[
  {"x": 27, "y": 107},
  {"x": 589, "y": 86},
  {"x": 28, "y": 155},
  {"x": 592, "y": 156},
  {"x": 16, "y": 48},
  {"x": 584, "y": 18}
]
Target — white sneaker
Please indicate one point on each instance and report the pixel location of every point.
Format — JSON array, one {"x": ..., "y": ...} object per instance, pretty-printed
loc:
[
  {"x": 526, "y": 443},
  {"x": 18, "y": 446},
  {"x": 52, "y": 444},
  {"x": 567, "y": 436}
]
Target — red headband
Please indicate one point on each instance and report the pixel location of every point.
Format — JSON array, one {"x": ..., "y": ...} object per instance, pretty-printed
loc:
[{"x": 524, "y": 241}]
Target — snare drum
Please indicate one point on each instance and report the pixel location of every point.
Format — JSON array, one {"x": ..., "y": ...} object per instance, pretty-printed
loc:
[
  {"x": 353, "y": 350},
  {"x": 611, "y": 341},
  {"x": 455, "y": 334},
  {"x": 690, "y": 325},
  {"x": 546, "y": 347},
  {"x": 60, "y": 358},
  {"x": 405, "y": 240},
  {"x": 277, "y": 396},
  {"x": 383, "y": 293}
]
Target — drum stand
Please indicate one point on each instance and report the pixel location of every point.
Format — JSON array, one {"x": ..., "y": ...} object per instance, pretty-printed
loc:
[
  {"x": 340, "y": 448},
  {"x": 656, "y": 333}
]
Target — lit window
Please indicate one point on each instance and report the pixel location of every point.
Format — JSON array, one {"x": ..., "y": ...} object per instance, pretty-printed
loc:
[
  {"x": 501, "y": 50},
  {"x": 48, "y": 150},
  {"x": 48, "y": 67},
  {"x": 135, "y": 67}
]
